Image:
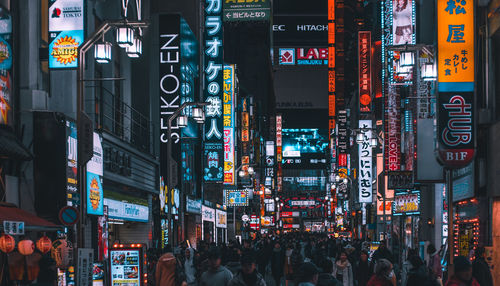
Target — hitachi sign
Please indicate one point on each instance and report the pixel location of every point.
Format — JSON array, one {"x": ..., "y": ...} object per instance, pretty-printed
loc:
[{"x": 312, "y": 28}]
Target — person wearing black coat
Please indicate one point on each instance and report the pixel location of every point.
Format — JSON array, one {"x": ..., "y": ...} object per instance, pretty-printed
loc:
[
  {"x": 480, "y": 268},
  {"x": 277, "y": 263},
  {"x": 363, "y": 269},
  {"x": 325, "y": 277}
]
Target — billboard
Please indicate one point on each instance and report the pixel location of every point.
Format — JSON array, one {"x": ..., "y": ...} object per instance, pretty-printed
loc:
[
  {"x": 331, "y": 68},
  {"x": 365, "y": 71},
  {"x": 95, "y": 193},
  {"x": 304, "y": 148},
  {"x": 236, "y": 197},
  {"x": 303, "y": 56},
  {"x": 298, "y": 29},
  {"x": 365, "y": 163},
  {"x": 5, "y": 67},
  {"x": 406, "y": 204},
  {"x": 66, "y": 32},
  {"x": 246, "y": 10},
  {"x": 403, "y": 22},
  {"x": 213, "y": 92},
  {"x": 229, "y": 124}
]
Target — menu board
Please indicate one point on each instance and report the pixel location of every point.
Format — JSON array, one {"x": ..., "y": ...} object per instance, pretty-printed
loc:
[{"x": 125, "y": 267}]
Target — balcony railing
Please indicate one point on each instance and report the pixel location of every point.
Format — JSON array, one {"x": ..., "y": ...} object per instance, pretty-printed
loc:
[{"x": 112, "y": 115}]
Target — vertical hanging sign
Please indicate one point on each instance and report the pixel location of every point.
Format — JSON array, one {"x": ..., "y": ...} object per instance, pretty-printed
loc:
[
  {"x": 365, "y": 163},
  {"x": 331, "y": 66},
  {"x": 213, "y": 90},
  {"x": 392, "y": 137},
  {"x": 66, "y": 32},
  {"x": 365, "y": 71},
  {"x": 228, "y": 111},
  {"x": 456, "y": 82},
  {"x": 170, "y": 77}
]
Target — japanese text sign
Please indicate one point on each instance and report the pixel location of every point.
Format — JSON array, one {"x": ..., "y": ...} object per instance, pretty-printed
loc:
[
  {"x": 365, "y": 84},
  {"x": 365, "y": 162},
  {"x": 213, "y": 90},
  {"x": 455, "y": 41},
  {"x": 228, "y": 120}
]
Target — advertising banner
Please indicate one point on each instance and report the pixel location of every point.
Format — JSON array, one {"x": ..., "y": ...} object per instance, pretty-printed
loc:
[
  {"x": 303, "y": 56},
  {"x": 229, "y": 124},
  {"x": 299, "y": 29},
  {"x": 392, "y": 136},
  {"x": 66, "y": 32},
  {"x": 236, "y": 198},
  {"x": 126, "y": 211},
  {"x": 342, "y": 139},
  {"x": 331, "y": 69},
  {"x": 246, "y": 10},
  {"x": 71, "y": 167},
  {"x": 406, "y": 204},
  {"x": 365, "y": 163},
  {"x": 456, "y": 128},
  {"x": 5, "y": 68},
  {"x": 403, "y": 22},
  {"x": 365, "y": 71},
  {"x": 207, "y": 214},
  {"x": 455, "y": 45},
  {"x": 125, "y": 267},
  {"x": 221, "y": 219},
  {"x": 95, "y": 194},
  {"x": 463, "y": 183},
  {"x": 169, "y": 77},
  {"x": 213, "y": 92}
]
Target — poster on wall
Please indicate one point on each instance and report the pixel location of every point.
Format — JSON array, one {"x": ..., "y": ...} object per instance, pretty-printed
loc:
[
  {"x": 5, "y": 67},
  {"x": 213, "y": 92},
  {"x": 403, "y": 23},
  {"x": 95, "y": 194},
  {"x": 66, "y": 32}
]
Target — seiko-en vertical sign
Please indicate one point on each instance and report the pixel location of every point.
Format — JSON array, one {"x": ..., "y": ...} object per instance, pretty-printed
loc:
[
  {"x": 228, "y": 110},
  {"x": 66, "y": 32},
  {"x": 169, "y": 75},
  {"x": 213, "y": 85},
  {"x": 365, "y": 163}
]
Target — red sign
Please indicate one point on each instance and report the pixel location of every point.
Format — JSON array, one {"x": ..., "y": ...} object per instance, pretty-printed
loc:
[
  {"x": 286, "y": 214},
  {"x": 312, "y": 53},
  {"x": 342, "y": 161},
  {"x": 392, "y": 131},
  {"x": 331, "y": 67},
  {"x": 365, "y": 84}
]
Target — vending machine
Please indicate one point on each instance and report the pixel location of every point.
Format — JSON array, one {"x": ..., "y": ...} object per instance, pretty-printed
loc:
[{"x": 127, "y": 265}]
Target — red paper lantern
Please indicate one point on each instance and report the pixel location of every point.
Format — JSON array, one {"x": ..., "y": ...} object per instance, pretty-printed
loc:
[
  {"x": 44, "y": 244},
  {"x": 7, "y": 243},
  {"x": 26, "y": 247}
]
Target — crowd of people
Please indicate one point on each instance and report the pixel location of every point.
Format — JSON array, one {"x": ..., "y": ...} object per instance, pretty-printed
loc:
[{"x": 303, "y": 259}]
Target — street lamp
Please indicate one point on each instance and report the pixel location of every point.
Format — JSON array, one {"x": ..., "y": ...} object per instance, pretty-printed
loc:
[
  {"x": 428, "y": 72},
  {"x": 135, "y": 50},
  {"x": 407, "y": 59},
  {"x": 102, "y": 52},
  {"x": 125, "y": 36},
  {"x": 182, "y": 121}
]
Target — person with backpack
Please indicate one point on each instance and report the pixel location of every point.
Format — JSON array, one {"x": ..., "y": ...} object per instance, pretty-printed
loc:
[
  {"x": 169, "y": 270},
  {"x": 434, "y": 265}
]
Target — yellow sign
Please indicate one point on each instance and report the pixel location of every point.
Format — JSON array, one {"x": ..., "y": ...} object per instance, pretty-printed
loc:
[
  {"x": 65, "y": 50},
  {"x": 455, "y": 41}
]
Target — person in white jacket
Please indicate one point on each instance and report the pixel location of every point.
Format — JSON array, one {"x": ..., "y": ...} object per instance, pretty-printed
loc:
[{"x": 342, "y": 269}]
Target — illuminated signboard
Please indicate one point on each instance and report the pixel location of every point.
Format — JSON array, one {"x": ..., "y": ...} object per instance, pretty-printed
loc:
[
  {"x": 303, "y": 203},
  {"x": 220, "y": 219},
  {"x": 290, "y": 30},
  {"x": 303, "y": 56},
  {"x": 456, "y": 82},
  {"x": 229, "y": 124},
  {"x": 455, "y": 44},
  {"x": 406, "y": 204},
  {"x": 305, "y": 147},
  {"x": 392, "y": 137},
  {"x": 279, "y": 154},
  {"x": 95, "y": 193},
  {"x": 125, "y": 267},
  {"x": 365, "y": 163},
  {"x": 66, "y": 32},
  {"x": 331, "y": 69},
  {"x": 5, "y": 67},
  {"x": 365, "y": 71},
  {"x": 246, "y": 10},
  {"x": 213, "y": 92},
  {"x": 236, "y": 197},
  {"x": 342, "y": 138}
]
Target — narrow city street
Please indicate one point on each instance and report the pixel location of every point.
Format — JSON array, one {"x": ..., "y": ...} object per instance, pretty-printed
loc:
[{"x": 249, "y": 142}]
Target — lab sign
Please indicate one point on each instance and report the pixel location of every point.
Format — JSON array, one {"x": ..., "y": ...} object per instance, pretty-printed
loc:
[{"x": 303, "y": 56}]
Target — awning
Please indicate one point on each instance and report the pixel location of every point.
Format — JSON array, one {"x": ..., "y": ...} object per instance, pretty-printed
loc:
[
  {"x": 11, "y": 147},
  {"x": 9, "y": 212}
]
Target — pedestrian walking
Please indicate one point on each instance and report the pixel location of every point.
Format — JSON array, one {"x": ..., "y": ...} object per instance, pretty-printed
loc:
[
  {"x": 190, "y": 267},
  {"x": 277, "y": 263},
  {"x": 308, "y": 274},
  {"x": 383, "y": 252},
  {"x": 434, "y": 265},
  {"x": 169, "y": 270},
  {"x": 342, "y": 269},
  {"x": 216, "y": 275},
  {"x": 481, "y": 269},
  {"x": 248, "y": 275},
  {"x": 364, "y": 269},
  {"x": 287, "y": 268},
  {"x": 383, "y": 274},
  {"x": 326, "y": 277},
  {"x": 463, "y": 273}
]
